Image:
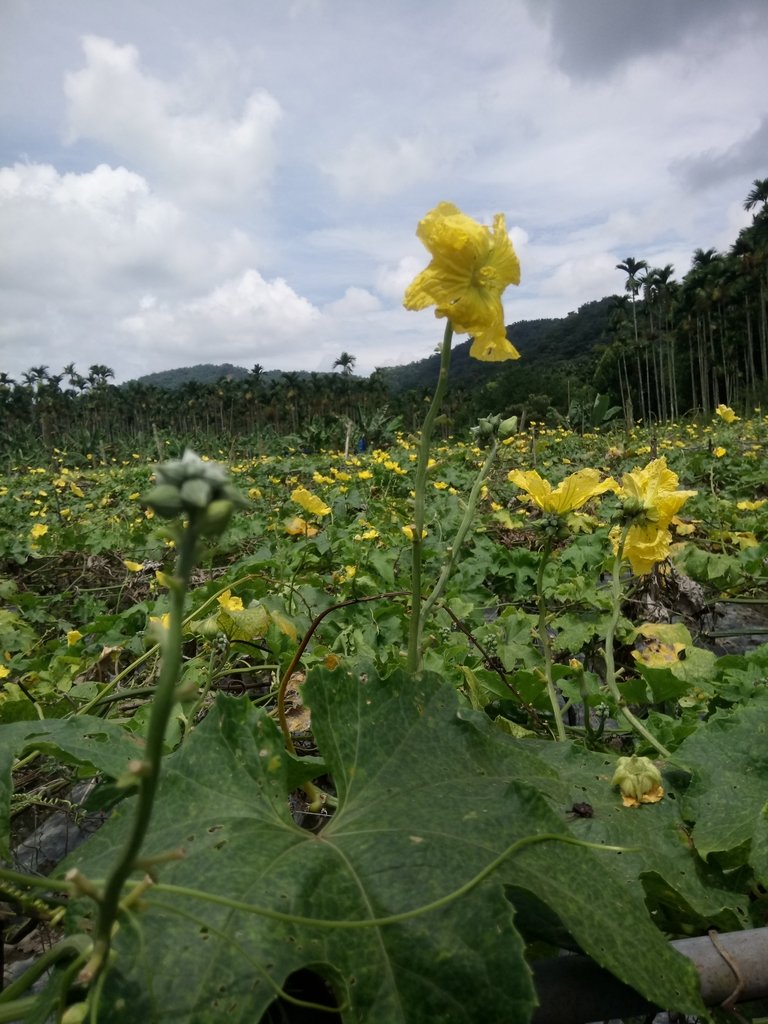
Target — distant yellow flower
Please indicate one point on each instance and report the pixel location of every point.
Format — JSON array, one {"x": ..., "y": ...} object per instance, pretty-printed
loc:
[
  {"x": 409, "y": 533},
  {"x": 370, "y": 534},
  {"x": 470, "y": 268},
  {"x": 38, "y": 530},
  {"x": 228, "y": 603},
  {"x": 726, "y": 413},
  {"x": 365, "y": 474},
  {"x": 133, "y": 566},
  {"x": 76, "y": 490},
  {"x": 4, "y": 672},
  {"x": 719, "y": 452},
  {"x": 573, "y": 492},
  {"x": 254, "y": 493},
  {"x": 160, "y": 621},
  {"x": 751, "y": 506},
  {"x": 310, "y": 502},
  {"x": 298, "y": 527},
  {"x": 74, "y": 636}
]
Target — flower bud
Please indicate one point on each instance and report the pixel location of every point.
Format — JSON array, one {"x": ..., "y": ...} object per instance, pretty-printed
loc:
[
  {"x": 165, "y": 500},
  {"x": 639, "y": 780},
  {"x": 216, "y": 516}
]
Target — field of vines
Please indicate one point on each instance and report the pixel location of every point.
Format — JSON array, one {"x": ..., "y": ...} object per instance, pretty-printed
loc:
[{"x": 355, "y": 817}]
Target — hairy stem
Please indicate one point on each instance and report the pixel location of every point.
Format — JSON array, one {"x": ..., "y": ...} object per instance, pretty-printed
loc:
[{"x": 546, "y": 646}]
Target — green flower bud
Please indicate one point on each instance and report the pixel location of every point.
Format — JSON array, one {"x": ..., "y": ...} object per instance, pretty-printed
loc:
[
  {"x": 638, "y": 778},
  {"x": 508, "y": 426},
  {"x": 216, "y": 516},
  {"x": 165, "y": 500},
  {"x": 196, "y": 493}
]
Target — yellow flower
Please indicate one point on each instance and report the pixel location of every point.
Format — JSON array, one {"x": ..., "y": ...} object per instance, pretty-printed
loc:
[
  {"x": 370, "y": 534},
  {"x": 651, "y": 497},
  {"x": 38, "y": 530},
  {"x": 310, "y": 502},
  {"x": 751, "y": 506},
  {"x": 470, "y": 268},
  {"x": 719, "y": 452},
  {"x": 228, "y": 603},
  {"x": 254, "y": 493},
  {"x": 160, "y": 621},
  {"x": 726, "y": 413},
  {"x": 297, "y": 526},
  {"x": 570, "y": 494},
  {"x": 4, "y": 672},
  {"x": 365, "y": 474},
  {"x": 409, "y": 533},
  {"x": 74, "y": 636},
  {"x": 133, "y": 566}
]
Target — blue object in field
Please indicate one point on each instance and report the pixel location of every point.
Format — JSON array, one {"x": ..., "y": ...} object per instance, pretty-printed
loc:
[{"x": 362, "y": 444}]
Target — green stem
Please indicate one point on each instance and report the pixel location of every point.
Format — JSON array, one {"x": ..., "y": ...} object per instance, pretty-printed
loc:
[
  {"x": 149, "y": 776},
  {"x": 546, "y": 646},
  {"x": 455, "y": 548},
  {"x": 610, "y": 664},
  {"x": 406, "y": 915},
  {"x": 420, "y": 487},
  {"x": 74, "y": 946}
]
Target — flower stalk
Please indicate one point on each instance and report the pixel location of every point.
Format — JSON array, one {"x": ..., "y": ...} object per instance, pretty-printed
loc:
[
  {"x": 610, "y": 665},
  {"x": 546, "y": 646},
  {"x": 419, "y": 502}
]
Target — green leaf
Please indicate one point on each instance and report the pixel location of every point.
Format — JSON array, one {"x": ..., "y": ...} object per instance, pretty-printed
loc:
[
  {"x": 428, "y": 797},
  {"x": 98, "y": 745},
  {"x": 678, "y": 886},
  {"x": 729, "y": 762}
]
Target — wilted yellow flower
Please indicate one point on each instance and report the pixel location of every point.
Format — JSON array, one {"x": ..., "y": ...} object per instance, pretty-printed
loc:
[
  {"x": 571, "y": 493},
  {"x": 639, "y": 780},
  {"x": 470, "y": 268},
  {"x": 726, "y": 413},
  {"x": 228, "y": 603},
  {"x": 296, "y": 527},
  {"x": 133, "y": 566},
  {"x": 38, "y": 530},
  {"x": 74, "y": 636},
  {"x": 310, "y": 502}
]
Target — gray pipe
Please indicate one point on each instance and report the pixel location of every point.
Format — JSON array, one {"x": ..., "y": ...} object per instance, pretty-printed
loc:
[{"x": 574, "y": 990}]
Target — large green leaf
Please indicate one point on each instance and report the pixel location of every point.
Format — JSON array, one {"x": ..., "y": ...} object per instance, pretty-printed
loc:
[
  {"x": 428, "y": 798},
  {"x": 98, "y": 745},
  {"x": 682, "y": 891},
  {"x": 729, "y": 761}
]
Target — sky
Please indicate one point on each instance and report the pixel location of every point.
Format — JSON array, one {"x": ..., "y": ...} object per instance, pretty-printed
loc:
[{"x": 183, "y": 181}]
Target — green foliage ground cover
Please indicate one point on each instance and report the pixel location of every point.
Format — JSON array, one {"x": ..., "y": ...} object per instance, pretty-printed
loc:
[{"x": 452, "y": 795}]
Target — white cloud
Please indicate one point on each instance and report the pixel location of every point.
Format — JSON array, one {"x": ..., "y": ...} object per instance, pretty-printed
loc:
[
  {"x": 372, "y": 167},
  {"x": 354, "y": 302},
  {"x": 157, "y": 126}
]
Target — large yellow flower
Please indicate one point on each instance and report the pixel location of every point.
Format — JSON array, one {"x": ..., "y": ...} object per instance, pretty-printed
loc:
[
  {"x": 651, "y": 494},
  {"x": 470, "y": 268},
  {"x": 651, "y": 497},
  {"x": 726, "y": 414},
  {"x": 310, "y": 502},
  {"x": 570, "y": 494}
]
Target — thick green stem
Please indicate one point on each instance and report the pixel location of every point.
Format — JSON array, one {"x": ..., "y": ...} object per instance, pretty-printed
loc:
[
  {"x": 455, "y": 548},
  {"x": 420, "y": 487},
  {"x": 610, "y": 665},
  {"x": 546, "y": 646},
  {"x": 148, "y": 771}
]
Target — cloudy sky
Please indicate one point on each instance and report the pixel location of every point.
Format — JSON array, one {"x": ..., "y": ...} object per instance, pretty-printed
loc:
[{"x": 184, "y": 181}]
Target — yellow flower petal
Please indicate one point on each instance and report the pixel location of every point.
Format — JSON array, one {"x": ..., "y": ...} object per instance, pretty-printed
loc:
[
  {"x": 74, "y": 636},
  {"x": 230, "y": 603},
  {"x": 133, "y": 566},
  {"x": 571, "y": 493},
  {"x": 310, "y": 502}
]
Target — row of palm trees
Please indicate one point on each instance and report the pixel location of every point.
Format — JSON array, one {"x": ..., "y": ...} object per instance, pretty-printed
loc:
[
  {"x": 690, "y": 345},
  {"x": 88, "y": 413}
]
